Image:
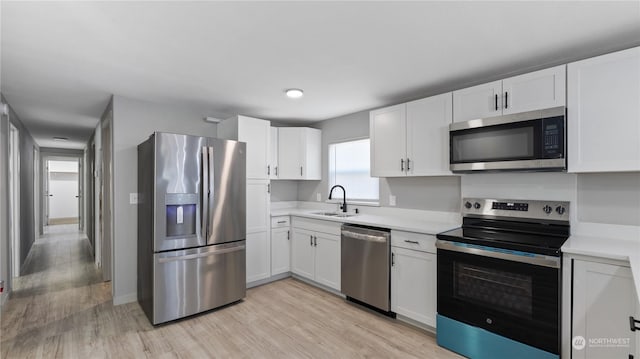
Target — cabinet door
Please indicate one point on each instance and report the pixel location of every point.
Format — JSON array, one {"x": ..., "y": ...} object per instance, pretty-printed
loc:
[
  {"x": 413, "y": 285},
  {"x": 273, "y": 154},
  {"x": 477, "y": 102},
  {"x": 258, "y": 206},
  {"x": 387, "y": 127},
  {"x": 302, "y": 253},
  {"x": 290, "y": 154},
  {"x": 603, "y": 112},
  {"x": 311, "y": 166},
  {"x": 255, "y": 133},
  {"x": 280, "y": 250},
  {"x": 258, "y": 256},
  {"x": 428, "y": 123},
  {"x": 534, "y": 91},
  {"x": 604, "y": 298},
  {"x": 327, "y": 266}
]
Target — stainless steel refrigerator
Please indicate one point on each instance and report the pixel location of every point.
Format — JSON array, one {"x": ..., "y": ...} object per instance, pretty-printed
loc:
[{"x": 191, "y": 224}]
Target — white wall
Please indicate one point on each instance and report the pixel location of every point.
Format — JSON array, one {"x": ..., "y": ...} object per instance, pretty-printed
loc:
[{"x": 133, "y": 122}]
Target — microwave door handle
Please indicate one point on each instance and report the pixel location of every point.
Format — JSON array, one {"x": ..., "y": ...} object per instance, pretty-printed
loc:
[{"x": 204, "y": 196}]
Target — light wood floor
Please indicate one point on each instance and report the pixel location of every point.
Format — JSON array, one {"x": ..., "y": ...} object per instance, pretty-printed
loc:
[{"x": 61, "y": 309}]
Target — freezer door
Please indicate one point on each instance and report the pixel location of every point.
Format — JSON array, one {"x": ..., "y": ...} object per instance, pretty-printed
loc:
[
  {"x": 180, "y": 171},
  {"x": 191, "y": 281},
  {"x": 227, "y": 199}
]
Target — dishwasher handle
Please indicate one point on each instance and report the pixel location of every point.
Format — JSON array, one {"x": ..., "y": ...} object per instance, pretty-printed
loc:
[{"x": 364, "y": 236}]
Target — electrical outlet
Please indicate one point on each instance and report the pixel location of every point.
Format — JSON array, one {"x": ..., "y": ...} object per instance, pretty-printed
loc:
[
  {"x": 133, "y": 198},
  {"x": 318, "y": 197},
  {"x": 392, "y": 200}
]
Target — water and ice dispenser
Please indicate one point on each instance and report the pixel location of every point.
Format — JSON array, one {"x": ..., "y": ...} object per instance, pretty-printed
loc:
[{"x": 181, "y": 212}]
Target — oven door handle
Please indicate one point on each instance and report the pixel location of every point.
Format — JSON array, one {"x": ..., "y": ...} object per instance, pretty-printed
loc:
[{"x": 530, "y": 258}]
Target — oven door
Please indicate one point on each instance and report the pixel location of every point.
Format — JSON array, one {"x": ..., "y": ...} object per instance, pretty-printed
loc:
[{"x": 501, "y": 291}]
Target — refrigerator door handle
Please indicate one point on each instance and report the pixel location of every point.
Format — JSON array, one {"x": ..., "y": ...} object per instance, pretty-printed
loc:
[
  {"x": 204, "y": 200},
  {"x": 211, "y": 192},
  {"x": 200, "y": 255}
]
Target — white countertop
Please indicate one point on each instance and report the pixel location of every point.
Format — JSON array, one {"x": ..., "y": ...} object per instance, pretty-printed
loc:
[
  {"x": 424, "y": 225},
  {"x": 608, "y": 241}
]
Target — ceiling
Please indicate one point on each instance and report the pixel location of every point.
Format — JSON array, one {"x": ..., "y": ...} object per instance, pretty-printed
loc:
[{"x": 61, "y": 61}]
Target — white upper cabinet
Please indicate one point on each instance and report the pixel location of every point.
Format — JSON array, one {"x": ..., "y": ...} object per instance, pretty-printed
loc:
[
  {"x": 299, "y": 153},
  {"x": 388, "y": 135},
  {"x": 428, "y": 123},
  {"x": 477, "y": 102},
  {"x": 603, "y": 113},
  {"x": 273, "y": 154},
  {"x": 532, "y": 91},
  {"x": 411, "y": 139},
  {"x": 256, "y": 133}
]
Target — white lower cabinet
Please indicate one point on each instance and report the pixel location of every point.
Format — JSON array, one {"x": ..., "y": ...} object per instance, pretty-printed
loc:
[
  {"x": 258, "y": 256},
  {"x": 280, "y": 245},
  {"x": 315, "y": 251},
  {"x": 413, "y": 276},
  {"x": 604, "y": 298}
]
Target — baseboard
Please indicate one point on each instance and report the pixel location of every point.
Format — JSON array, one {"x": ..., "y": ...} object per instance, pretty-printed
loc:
[
  {"x": 125, "y": 299},
  {"x": 316, "y": 284},
  {"x": 268, "y": 280},
  {"x": 416, "y": 323},
  {"x": 63, "y": 220}
]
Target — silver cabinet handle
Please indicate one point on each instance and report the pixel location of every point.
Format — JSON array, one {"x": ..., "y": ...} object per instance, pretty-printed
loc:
[
  {"x": 315, "y": 241},
  {"x": 393, "y": 259},
  {"x": 414, "y": 242},
  {"x": 300, "y": 170},
  {"x": 268, "y": 170},
  {"x": 402, "y": 164},
  {"x": 276, "y": 169},
  {"x": 282, "y": 222},
  {"x": 311, "y": 241},
  {"x": 288, "y": 235},
  {"x": 408, "y": 161}
]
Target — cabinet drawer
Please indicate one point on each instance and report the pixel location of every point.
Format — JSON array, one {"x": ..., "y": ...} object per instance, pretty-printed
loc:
[
  {"x": 416, "y": 241},
  {"x": 280, "y": 221},
  {"x": 317, "y": 225}
]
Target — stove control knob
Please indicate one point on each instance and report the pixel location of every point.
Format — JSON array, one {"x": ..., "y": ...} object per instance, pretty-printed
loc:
[
  {"x": 467, "y": 205},
  {"x": 547, "y": 209},
  {"x": 560, "y": 210},
  {"x": 476, "y": 205}
]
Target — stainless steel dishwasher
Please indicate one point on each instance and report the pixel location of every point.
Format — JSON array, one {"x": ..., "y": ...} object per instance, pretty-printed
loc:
[{"x": 365, "y": 266}]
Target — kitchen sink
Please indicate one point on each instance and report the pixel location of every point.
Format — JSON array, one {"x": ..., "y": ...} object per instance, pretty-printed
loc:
[{"x": 334, "y": 214}]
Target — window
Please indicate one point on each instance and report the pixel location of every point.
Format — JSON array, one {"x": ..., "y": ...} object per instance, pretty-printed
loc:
[{"x": 349, "y": 166}]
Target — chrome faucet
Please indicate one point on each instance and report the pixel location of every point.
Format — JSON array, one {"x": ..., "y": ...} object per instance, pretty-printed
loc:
[{"x": 344, "y": 197}]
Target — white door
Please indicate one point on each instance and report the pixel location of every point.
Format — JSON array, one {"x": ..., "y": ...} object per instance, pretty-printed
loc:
[
  {"x": 477, "y": 102},
  {"x": 604, "y": 298},
  {"x": 328, "y": 262},
  {"x": 280, "y": 250},
  {"x": 255, "y": 133},
  {"x": 302, "y": 253},
  {"x": 603, "y": 113},
  {"x": 428, "y": 123},
  {"x": 14, "y": 199},
  {"x": 290, "y": 152},
  {"x": 388, "y": 132},
  {"x": 413, "y": 285},
  {"x": 534, "y": 91},
  {"x": 258, "y": 256},
  {"x": 273, "y": 153}
]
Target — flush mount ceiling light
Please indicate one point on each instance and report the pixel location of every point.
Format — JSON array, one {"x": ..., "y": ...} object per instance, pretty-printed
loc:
[
  {"x": 294, "y": 93},
  {"x": 61, "y": 139}
]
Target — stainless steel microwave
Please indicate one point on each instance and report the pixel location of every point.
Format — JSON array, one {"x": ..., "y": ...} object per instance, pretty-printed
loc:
[{"x": 527, "y": 141}]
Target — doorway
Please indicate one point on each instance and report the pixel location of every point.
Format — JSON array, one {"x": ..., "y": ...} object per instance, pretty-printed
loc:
[
  {"x": 63, "y": 189},
  {"x": 14, "y": 199}
]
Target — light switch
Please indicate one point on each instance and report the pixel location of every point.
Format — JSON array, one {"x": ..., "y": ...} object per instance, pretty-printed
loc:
[
  {"x": 133, "y": 198},
  {"x": 392, "y": 200}
]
